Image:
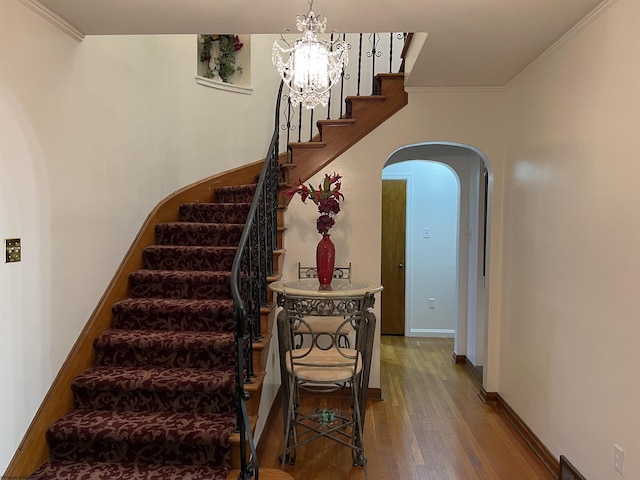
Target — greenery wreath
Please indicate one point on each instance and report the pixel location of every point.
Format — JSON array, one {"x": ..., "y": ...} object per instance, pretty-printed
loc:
[{"x": 224, "y": 65}]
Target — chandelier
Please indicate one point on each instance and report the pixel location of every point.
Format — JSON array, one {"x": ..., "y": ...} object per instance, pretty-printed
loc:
[{"x": 312, "y": 65}]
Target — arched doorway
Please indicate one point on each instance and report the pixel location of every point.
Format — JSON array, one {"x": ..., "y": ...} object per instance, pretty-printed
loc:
[{"x": 466, "y": 312}]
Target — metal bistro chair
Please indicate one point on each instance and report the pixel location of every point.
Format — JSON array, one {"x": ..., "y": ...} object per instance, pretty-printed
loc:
[
  {"x": 325, "y": 323},
  {"x": 321, "y": 365}
]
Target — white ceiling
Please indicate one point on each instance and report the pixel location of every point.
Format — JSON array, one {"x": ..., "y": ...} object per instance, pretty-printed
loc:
[{"x": 473, "y": 43}]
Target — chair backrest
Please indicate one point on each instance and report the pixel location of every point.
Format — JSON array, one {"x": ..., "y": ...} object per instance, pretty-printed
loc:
[
  {"x": 312, "y": 272},
  {"x": 300, "y": 310}
]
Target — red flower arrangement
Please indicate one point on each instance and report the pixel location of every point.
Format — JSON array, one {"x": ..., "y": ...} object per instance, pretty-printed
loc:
[{"x": 327, "y": 197}]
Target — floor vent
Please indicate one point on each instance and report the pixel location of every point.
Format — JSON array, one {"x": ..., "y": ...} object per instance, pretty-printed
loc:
[{"x": 568, "y": 471}]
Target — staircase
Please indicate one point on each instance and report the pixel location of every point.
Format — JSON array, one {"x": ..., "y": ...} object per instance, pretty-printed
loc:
[
  {"x": 153, "y": 374},
  {"x": 160, "y": 400},
  {"x": 363, "y": 115}
]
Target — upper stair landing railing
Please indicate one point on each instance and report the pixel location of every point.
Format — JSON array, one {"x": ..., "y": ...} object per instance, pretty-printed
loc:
[{"x": 369, "y": 55}]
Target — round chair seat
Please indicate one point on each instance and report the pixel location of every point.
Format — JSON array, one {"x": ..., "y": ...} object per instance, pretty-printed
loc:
[{"x": 325, "y": 366}]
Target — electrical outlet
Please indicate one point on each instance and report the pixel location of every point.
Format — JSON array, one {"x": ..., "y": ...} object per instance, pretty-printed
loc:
[
  {"x": 618, "y": 459},
  {"x": 12, "y": 249}
]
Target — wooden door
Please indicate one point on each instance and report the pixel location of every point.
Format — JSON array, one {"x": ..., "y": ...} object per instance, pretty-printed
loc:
[{"x": 394, "y": 213}]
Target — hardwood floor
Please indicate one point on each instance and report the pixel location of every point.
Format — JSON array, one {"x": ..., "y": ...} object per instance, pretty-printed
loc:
[{"x": 430, "y": 425}]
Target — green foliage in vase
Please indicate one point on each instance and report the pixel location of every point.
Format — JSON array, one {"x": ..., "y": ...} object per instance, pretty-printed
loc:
[{"x": 224, "y": 64}]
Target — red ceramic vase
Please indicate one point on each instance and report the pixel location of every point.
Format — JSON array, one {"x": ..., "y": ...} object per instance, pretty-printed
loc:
[{"x": 325, "y": 259}]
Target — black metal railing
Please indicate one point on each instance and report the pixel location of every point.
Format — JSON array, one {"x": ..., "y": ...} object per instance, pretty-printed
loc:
[
  {"x": 376, "y": 53},
  {"x": 253, "y": 263},
  {"x": 251, "y": 267}
]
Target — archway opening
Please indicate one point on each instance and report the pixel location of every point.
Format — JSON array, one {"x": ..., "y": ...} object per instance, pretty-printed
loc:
[{"x": 448, "y": 185}]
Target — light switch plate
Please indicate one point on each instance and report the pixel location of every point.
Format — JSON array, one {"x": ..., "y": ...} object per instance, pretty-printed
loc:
[{"x": 13, "y": 250}]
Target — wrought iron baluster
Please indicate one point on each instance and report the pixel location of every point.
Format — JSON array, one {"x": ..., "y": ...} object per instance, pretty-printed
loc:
[
  {"x": 374, "y": 53},
  {"x": 345, "y": 76},
  {"x": 391, "y": 52},
  {"x": 359, "y": 63}
]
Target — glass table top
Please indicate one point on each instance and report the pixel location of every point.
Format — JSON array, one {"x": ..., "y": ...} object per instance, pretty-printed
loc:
[{"x": 338, "y": 287}]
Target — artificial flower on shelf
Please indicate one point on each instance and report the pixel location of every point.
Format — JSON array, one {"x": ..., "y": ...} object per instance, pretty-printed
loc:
[
  {"x": 327, "y": 198},
  {"x": 224, "y": 64}
]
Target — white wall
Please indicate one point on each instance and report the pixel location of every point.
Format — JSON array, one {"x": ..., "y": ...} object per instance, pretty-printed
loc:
[
  {"x": 93, "y": 134},
  {"x": 431, "y": 264},
  {"x": 570, "y": 314},
  {"x": 471, "y": 118}
]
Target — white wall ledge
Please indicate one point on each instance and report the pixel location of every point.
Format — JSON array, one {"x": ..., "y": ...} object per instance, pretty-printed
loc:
[{"x": 230, "y": 87}]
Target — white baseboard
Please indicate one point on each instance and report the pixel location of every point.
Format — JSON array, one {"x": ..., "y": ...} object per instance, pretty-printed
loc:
[{"x": 432, "y": 332}]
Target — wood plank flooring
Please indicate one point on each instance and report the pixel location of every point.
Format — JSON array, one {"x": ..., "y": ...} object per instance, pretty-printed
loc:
[{"x": 430, "y": 425}]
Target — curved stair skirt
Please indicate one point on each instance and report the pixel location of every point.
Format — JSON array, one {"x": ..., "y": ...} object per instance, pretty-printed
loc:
[{"x": 159, "y": 400}]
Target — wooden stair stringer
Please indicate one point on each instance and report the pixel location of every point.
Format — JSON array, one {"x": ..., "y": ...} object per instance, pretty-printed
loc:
[{"x": 364, "y": 114}]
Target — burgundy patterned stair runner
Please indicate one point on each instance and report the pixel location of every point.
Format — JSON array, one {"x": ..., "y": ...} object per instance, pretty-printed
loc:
[{"x": 160, "y": 401}]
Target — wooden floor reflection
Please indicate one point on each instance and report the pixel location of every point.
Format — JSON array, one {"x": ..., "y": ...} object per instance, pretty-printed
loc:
[{"x": 430, "y": 425}]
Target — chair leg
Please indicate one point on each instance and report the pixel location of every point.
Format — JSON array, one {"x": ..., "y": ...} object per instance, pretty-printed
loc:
[
  {"x": 290, "y": 429},
  {"x": 359, "y": 458}
]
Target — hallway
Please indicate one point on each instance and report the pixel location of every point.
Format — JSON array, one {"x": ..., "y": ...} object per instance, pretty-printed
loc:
[{"x": 431, "y": 425}]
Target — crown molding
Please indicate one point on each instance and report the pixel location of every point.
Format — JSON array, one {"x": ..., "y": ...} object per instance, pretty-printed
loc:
[
  {"x": 587, "y": 20},
  {"x": 592, "y": 16},
  {"x": 54, "y": 19},
  {"x": 461, "y": 89}
]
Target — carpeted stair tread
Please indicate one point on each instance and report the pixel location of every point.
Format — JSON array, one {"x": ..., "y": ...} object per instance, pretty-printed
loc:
[
  {"x": 236, "y": 193},
  {"x": 160, "y": 401},
  {"x": 144, "y": 427},
  {"x": 173, "y": 314},
  {"x": 140, "y": 348},
  {"x": 142, "y": 437},
  {"x": 155, "y": 389},
  {"x": 195, "y": 258},
  {"x": 154, "y": 379},
  {"x": 154, "y": 339},
  {"x": 180, "y": 284},
  {"x": 57, "y": 470},
  {"x": 215, "y": 212},
  {"x": 197, "y": 233}
]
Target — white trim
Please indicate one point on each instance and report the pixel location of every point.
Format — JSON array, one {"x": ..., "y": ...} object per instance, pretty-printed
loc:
[
  {"x": 209, "y": 82},
  {"x": 53, "y": 19},
  {"x": 593, "y": 15},
  {"x": 433, "y": 332},
  {"x": 587, "y": 20},
  {"x": 461, "y": 89}
]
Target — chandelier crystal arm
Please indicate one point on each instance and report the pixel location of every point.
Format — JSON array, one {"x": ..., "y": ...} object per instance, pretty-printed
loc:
[{"x": 311, "y": 65}]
